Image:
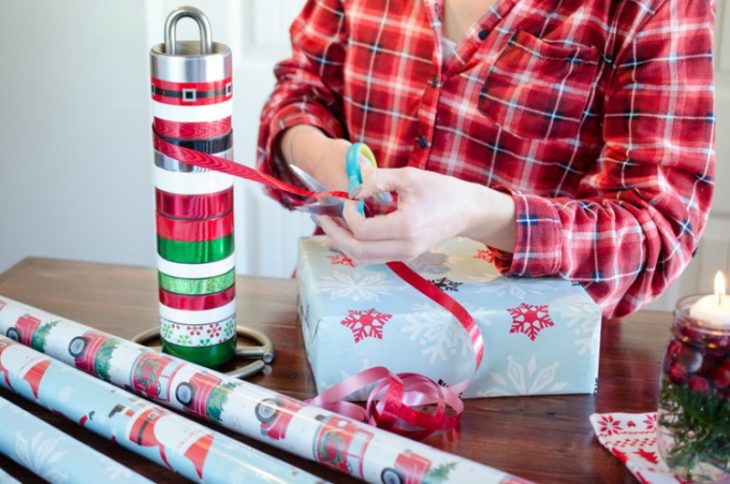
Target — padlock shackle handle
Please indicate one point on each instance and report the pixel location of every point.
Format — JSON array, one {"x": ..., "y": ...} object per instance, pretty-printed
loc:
[{"x": 206, "y": 44}]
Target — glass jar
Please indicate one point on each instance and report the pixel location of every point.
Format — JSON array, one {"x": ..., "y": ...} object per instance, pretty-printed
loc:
[{"x": 693, "y": 418}]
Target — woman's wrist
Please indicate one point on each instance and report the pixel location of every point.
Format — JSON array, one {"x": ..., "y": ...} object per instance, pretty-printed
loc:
[
  {"x": 314, "y": 152},
  {"x": 491, "y": 218},
  {"x": 299, "y": 142}
]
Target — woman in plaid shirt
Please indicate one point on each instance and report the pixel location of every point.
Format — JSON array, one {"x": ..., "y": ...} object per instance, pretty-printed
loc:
[{"x": 574, "y": 137}]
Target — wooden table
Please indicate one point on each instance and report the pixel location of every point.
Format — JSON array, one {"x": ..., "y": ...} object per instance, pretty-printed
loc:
[{"x": 547, "y": 439}]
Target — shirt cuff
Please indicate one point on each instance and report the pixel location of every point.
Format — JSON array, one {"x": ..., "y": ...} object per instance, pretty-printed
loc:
[
  {"x": 538, "y": 244},
  {"x": 271, "y": 159}
]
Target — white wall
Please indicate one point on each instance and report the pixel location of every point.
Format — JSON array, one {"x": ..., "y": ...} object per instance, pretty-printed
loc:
[
  {"x": 75, "y": 165},
  {"x": 74, "y": 137}
]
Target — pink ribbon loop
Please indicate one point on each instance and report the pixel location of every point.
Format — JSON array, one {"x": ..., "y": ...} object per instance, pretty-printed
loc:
[{"x": 393, "y": 402}]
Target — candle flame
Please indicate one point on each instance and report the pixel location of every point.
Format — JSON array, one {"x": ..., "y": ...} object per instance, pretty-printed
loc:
[{"x": 720, "y": 286}]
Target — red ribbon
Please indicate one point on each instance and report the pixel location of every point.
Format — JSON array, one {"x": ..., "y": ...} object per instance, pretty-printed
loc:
[
  {"x": 194, "y": 230},
  {"x": 393, "y": 403},
  {"x": 211, "y": 129},
  {"x": 212, "y": 162},
  {"x": 190, "y": 207},
  {"x": 197, "y": 302}
]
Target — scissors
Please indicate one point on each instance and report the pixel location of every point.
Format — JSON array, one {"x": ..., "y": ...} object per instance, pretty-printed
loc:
[{"x": 333, "y": 206}]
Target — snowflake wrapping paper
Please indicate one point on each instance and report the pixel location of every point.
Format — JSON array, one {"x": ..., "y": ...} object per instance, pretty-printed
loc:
[
  {"x": 172, "y": 441},
  {"x": 51, "y": 454},
  {"x": 631, "y": 437},
  {"x": 541, "y": 336},
  {"x": 329, "y": 439}
]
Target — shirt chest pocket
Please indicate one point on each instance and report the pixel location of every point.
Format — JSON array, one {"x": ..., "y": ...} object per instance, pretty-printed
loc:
[{"x": 539, "y": 90}]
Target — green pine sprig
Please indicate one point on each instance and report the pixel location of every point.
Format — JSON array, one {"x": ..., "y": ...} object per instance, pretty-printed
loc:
[{"x": 699, "y": 424}]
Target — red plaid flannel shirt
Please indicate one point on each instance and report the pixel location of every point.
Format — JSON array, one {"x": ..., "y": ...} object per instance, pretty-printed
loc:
[{"x": 596, "y": 115}]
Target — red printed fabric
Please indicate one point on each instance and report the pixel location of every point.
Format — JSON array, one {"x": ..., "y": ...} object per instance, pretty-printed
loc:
[{"x": 597, "y": 116}]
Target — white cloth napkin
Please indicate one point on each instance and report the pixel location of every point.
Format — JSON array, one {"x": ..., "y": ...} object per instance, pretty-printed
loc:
[{"x": 632, "y": 438}]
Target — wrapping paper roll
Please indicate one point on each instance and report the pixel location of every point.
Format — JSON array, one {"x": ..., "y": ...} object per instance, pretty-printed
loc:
[
  {"x": 53, "y": 455},
  {"x": 343, "y": 444},
  {"x": 166, "y": 438},
  {"x": 6, "y": 478},
  {"x": 191, "y": 104}
]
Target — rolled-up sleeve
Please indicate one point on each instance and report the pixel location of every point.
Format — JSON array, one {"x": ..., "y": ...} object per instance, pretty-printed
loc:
[
  {"x": 641, "y": 210},
  {"x": 309, "y": 85}
]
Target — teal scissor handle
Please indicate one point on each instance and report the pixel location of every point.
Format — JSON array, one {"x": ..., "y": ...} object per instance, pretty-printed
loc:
[{"x": 352, "y": 165}]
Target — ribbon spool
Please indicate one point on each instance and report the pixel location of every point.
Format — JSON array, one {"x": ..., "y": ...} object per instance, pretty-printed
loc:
[
  {"x": 263, "y": 354},
  {"x": 191, "y": 88}
]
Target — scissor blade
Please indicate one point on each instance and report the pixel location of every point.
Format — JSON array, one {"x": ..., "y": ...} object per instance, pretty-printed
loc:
[
  {"x": 331, "y": 209},
  {"x": 312, "y": 183},
  {"x": 308, "y": 180}
]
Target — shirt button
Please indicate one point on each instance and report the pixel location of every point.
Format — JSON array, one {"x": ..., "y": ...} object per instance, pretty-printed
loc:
[
  {"x": 483, "y": 34},
  {"x": 422, "y": 142},
  {"x": 435, "y": 81}
]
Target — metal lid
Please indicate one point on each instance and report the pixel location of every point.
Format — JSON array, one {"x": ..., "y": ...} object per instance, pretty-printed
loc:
[{"x": 189, "y": 60}]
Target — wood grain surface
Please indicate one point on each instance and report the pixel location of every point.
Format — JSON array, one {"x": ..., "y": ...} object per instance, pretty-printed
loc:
[{"x": 546, "y": 439}]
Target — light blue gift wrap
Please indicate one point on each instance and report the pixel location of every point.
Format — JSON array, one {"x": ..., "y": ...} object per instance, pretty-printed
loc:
[
  {"x": 6, "y": 478},
  {"x": 51, "y": 454},
  {"x": 541, "y": 336}
]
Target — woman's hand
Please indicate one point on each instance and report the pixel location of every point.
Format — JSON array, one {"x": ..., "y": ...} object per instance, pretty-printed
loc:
[
  {"x": 320, "y": 156},
  {"x": 431, "y": 208}
]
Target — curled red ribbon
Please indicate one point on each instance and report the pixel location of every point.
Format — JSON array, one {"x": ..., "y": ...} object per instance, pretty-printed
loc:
[{"x": 393, "y": 404}]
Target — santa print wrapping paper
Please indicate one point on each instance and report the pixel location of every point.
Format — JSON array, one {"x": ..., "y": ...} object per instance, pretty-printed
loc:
[
  {"x": 179, "y": 444},
  {"x": 52, "y": 455},
  {"x": 541, "y": 336},
  {"x": 631, "y": 437},
  {"x": 340, "y": 443}
]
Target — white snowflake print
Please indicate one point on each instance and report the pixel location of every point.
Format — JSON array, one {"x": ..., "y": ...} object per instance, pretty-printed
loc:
[
  {"x": 519, "y": 288},
  {"x": 366, "y": 324},
  {"x": 40, "y": 454},
  {"x": 356, "y": 287},
  {"x": 581, "y": 316},
  {"x": 431, "y": 262},
  {"x": 437, "y": 331},
  {"x": 530, "y": 319},
  {"x": 519, "y": 380}
]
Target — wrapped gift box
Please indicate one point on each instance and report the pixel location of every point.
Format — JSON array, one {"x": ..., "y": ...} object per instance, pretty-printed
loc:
[{"x": 541, "y": 336}]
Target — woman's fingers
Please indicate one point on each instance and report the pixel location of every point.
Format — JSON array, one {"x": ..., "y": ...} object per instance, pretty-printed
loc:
[
  {"x": 367, "y": 251},
  {"x": 392, "y": 226},
  {"x": 379, "y": 180}
]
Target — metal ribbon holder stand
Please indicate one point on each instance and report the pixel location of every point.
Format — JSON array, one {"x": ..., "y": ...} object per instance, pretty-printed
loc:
[{"x": 192, "y": 106}]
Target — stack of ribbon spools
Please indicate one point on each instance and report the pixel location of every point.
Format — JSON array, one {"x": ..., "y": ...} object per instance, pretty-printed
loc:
[{"x": 192, "y": 106}]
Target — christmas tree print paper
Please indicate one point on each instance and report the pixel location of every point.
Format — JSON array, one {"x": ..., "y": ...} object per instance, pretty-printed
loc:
[{"x": 541, "y": 335}]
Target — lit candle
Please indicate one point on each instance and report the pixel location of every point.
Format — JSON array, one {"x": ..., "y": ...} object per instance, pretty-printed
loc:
[{"x": 713, "y": 310}]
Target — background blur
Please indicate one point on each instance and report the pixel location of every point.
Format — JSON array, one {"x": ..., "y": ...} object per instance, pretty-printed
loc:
[{"x": 75, "y": 170}]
